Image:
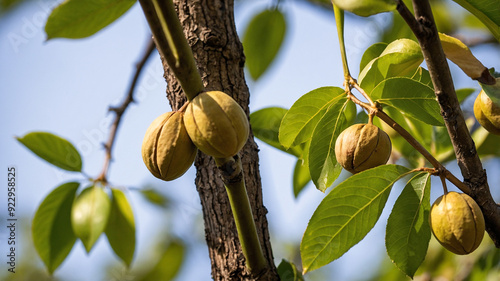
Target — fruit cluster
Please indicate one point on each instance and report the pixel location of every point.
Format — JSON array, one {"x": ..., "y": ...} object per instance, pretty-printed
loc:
[{"x": 213, "y": 123}]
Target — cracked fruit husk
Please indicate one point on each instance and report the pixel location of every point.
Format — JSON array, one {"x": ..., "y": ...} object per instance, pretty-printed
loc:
[
  {"x": 361, "y": 147},
  {"x": 217, "y": 124},
  {"x": 457, "y": 222},
  {"x": 167, "y": 150},
  {"x": 487, "y": 113}
]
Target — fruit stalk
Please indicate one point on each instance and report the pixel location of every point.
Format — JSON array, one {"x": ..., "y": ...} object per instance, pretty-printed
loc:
[
  {"x": 232, "y": 175},
  {"x": 172, "y": 44}
]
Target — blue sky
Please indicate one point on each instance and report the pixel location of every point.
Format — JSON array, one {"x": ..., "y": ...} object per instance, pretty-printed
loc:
[{"x": 66, "y": 86}]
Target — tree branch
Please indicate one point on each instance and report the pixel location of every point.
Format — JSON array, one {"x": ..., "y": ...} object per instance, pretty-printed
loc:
[
  {"x": 424, "y": 28},
  {"x": 120, "y": 110},
  {"x": 172, "y": 44}
]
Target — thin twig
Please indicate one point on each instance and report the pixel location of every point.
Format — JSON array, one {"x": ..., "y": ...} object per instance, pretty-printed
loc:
[{"x": 120, "y": 110}]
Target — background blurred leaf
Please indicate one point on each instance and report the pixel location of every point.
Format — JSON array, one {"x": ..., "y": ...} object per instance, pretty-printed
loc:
[
  {"x": 464, "y": 93},
  {"x": 262, "y": 41},
  {"x": 488, "y": 11},
  {"x": 80, "y": 18},
  {"x": 265, "y": 126},
  {"x": 52, "y": 233},
  {"x": 120, "y": 229},
  {"x": 347, "y": 214},
  {"x": 154, "y": 197},
  {"x": 169, "y": 264},
  {"x": 53, "y": 149}
]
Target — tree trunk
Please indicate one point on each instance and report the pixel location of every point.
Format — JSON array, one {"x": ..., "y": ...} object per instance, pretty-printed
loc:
[{"x": 211, "y": 32}]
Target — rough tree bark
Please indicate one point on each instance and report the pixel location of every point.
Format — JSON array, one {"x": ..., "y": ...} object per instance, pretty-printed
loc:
[{"x": 211, "y": 32}]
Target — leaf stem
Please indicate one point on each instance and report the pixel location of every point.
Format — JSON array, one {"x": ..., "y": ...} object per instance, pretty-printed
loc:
[
  {"x": 232, "y": 175},
  {"x": 120, "y": 110},
  {"x": 172, "y": 44},
  {"x": 339, "y": 20}
]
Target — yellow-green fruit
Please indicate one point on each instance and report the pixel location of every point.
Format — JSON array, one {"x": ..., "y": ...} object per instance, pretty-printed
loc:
[
  {"x": 361, "y": 147},
  {"x": 487, "y": 113},
  {"x": 217, "y": 124},
  {"x": 167, "y": 150},
  {"x": 457, "y": 223}
]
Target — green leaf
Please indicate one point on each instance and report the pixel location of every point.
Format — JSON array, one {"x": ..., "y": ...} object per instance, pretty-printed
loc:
[
  {"x": 262, "y": 40},
  {"x": 154, "y": 197},
  {"x": 488, "y": 11},
  {"x": 323, "y": 165},
  {"x": 266, "y": 124},
  {"x": 493, "y": 91},
  {"x": 347, "y": 214},
  {"x": 169, "y": 264},
  {"x": 366, "y": 8},
  {"x": 411, "y": 97},
  {"x": 301, "y": 119},
  {"x": 464, "y": 93},
  {"x": 120, "y": 229},
  {"x": 301, "y": 176},
  {"x": 399, "y": 58},
  {"x": 373, "y": 52},
  {"x": 79, "y": 18},
  {"x": 423, "y": 76},
  {"x": 443, "y": 148},
  {"x": 408, "y": 231},
  {"x": 53, "y": 149},
  {"x": 288, "y": 271},
  {"x": 486, "y": 143},
  {"x": 52, "y": 233},
  {"x": 398, "y": 28},
  {"x": 90, "y": 214}
]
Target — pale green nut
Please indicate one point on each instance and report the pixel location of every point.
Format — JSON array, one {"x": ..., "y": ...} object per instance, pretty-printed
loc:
[
  {"x": 361, "y": 147},
  {"x": 167, "y": 150},
  {"x": 217, "y": 124},
  {"x": 457, "y": 223}
]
